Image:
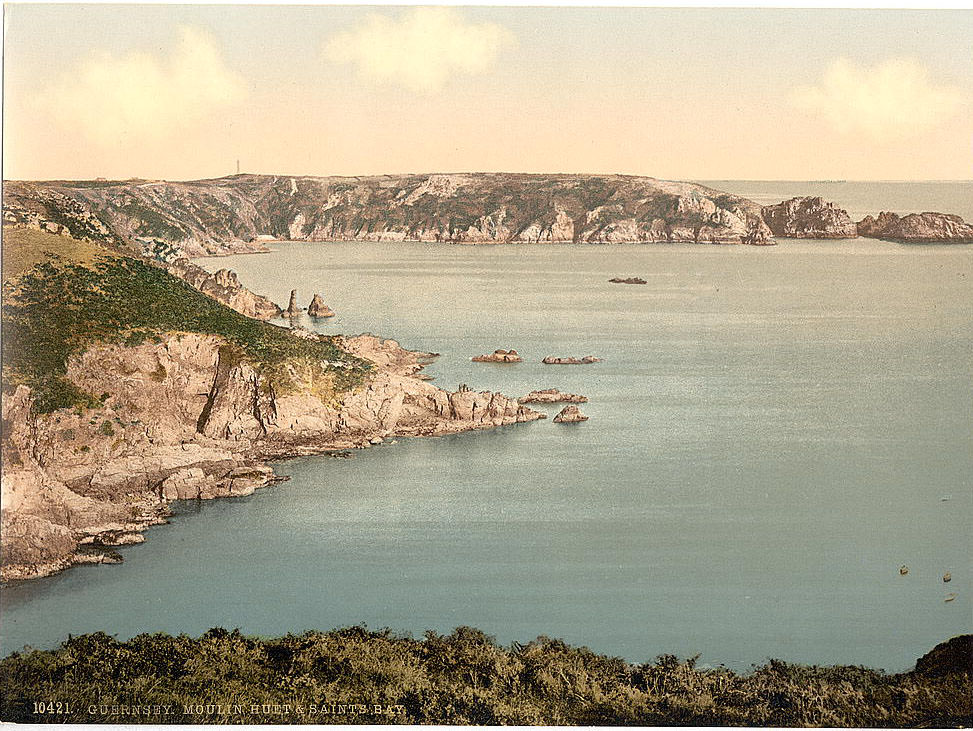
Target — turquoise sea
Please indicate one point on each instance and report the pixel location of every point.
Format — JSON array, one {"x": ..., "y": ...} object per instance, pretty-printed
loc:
[{"x": 773, "y": 432}]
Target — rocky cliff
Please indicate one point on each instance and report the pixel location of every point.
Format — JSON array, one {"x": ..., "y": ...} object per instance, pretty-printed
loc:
[
  {"x": 124, "y": 388},
  {"x": 184, "y": 418},
  {"x": 233, "y": 214},
  {"x": 918, "y": 228},
  {"x": 809, "y": 218}
]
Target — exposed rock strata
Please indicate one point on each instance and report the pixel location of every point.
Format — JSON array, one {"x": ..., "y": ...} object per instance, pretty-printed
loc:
[
  {"x": 552, "y": 396},
  {"x": 553, "y": 360},
  {"x": 223, "y": 286},
  {"x": 317, "y": 308},
  {"x": 917, "y": 228},
  {"x": 498, "y": 356},
  {"x": 809, "y": 217},
  {"x": 570, "y": 415},
  {"x": 232, "y": 214},
  {"x": 184, "y": 418}
]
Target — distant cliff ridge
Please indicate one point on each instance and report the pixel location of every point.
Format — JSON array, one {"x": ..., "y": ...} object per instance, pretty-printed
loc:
[{"x": 233, "y": 214}]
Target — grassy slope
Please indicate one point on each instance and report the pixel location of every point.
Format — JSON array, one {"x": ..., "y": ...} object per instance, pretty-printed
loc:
[
  {"x": 462, "y": 678},
  {"x": 62, "y": 295}
]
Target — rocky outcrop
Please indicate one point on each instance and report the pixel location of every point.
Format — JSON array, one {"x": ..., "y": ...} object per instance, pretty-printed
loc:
[
  {"x": 552, "y": 396},
  {"x": 187, "y": 418},
  {"x": 917, "y": 228},
  {"x": 233, "y": 214},
  {"x": 627, "y": 280},
  {"x": 223, "y": 286},
  {"x": 293, "y": 309},
  {"x": 570, "y": 415},
  {"x": 317, "y": 308},
  {"x": 809, "y": 217},
  {"x": 953, "y": 656},
  {"x": 552, "y": 360},
  {"x": 498, "y": 356}
]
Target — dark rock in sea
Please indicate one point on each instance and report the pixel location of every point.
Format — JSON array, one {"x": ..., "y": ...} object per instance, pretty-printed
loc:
[
  {"x": 317, "y": 308},
  {"x": 292, "y": 309},
  {"x": 809, "y": 217},
  {"x": 930, "y": 228},
  {"x": 570, "y": 415},
  {"x": 499, "y": 356},
  {"x": 628, "y": 280},
  {"x": 552, "y": 360},
  {"x": 953, "y": 656}
]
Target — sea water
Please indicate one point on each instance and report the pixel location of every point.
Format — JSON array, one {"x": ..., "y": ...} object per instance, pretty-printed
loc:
[{"x": 773, "y": 432}]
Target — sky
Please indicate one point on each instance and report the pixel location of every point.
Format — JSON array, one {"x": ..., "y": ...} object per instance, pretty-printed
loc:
[{"x": 182, "y": 92}]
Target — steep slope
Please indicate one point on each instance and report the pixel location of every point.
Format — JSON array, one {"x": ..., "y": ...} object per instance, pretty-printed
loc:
[{"x": 226, "y": 215}]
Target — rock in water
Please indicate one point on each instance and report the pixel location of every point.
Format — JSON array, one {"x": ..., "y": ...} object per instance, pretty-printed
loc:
[
  {"x": 317, "y": 308},
  {"x": 552, "y": 396},
  {"x": 292, "y": 309},
  {"x": 809, "y": 217},
  {"x": 499, "y": 356},
  {"x": 553, "y": 360},
  {"x": 927, "y": 228},
  {"x": 570, "y": 415},
  {"x": 627, "y": 280}
]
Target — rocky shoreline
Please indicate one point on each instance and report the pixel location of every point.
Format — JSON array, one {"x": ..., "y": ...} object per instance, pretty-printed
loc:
[{"x": 187, "y": 420}]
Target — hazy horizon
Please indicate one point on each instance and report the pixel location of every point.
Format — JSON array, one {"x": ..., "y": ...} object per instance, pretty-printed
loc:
[{"x": 181, "y": 92}]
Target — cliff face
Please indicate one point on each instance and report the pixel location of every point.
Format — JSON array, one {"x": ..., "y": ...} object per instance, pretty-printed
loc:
[
  {"x": 184, "y": 418},
  {"x": 918, "y": 228},
  {"x": 809, "y": 218},
  {"x": 227, "y": 215}
]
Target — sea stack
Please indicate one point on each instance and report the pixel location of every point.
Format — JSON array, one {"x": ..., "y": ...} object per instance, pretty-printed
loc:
[
  {"x": 292, "y": 309},
  {"x": 317, "y": 308}
]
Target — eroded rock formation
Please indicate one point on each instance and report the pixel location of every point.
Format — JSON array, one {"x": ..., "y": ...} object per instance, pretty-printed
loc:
[
  {"x": 570, "y": 415},
  {"x": 918, "y": 228},
  {"x": 553, "y": 360},
  {"x": 317, "y": 308},
  {"x": 223, "y": 286},
  {"x": 809, "y": 217}
]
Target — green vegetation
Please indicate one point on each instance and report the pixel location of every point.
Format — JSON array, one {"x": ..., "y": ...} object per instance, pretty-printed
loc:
[
  {"x": 66, "y": 295},
  {"x": 356, "y": 676}
]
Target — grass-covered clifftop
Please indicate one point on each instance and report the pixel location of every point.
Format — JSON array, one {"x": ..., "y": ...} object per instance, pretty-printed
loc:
[
  {"x": 356, "y": 676},
  {"x": 61, "y": 295}
]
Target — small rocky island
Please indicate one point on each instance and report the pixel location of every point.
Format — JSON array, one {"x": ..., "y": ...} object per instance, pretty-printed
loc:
[
  {"x": 627, "y": 280},
  {"x": 553, "y": 360},
  {"x": 498, "y": 356},
  {"x": 936, "y": 228},
  {"x": 552, "y": 396},
  {"x": 809, "y": 217},
  {"x": 570, "y": 415}
]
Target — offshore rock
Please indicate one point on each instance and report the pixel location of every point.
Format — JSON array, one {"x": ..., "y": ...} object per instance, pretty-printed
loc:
[
  {"x": 553, "y": 360},
  {"x": 918, "y": 228},
  {"x": 317, "y": 308},
  {"x": 293, "y": 310},
  {"x": 498, "y": 356},
  {"x": 628, "y": 280},
  {"x": 552, "y": 396},
  {"x": 570, "y": 415},
  {"x": 809, "y": 217}
]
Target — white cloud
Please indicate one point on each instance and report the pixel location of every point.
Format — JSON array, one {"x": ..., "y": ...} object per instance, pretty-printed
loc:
[
  {"x": 143, "y": 97},
  {"x": 419, "y": 49},
  {"x": 892, "y": 100}
]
